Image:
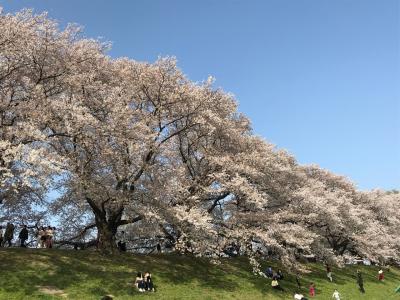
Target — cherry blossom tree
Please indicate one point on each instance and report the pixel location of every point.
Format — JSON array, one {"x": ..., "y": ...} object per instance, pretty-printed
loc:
[{"x": 139, "y": 145}]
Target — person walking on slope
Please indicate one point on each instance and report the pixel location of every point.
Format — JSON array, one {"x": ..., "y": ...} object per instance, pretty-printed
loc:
[
  {"x": 336, "y": 295},
  {"x": 328, "y": 272},
  {"x": 298, "y": 281},
  {"x": 23, "y": 236},
  {"x": 360, "y": 281}
]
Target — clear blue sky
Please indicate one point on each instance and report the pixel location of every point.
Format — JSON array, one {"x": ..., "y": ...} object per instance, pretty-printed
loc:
[{"x": 319, "y": 78}]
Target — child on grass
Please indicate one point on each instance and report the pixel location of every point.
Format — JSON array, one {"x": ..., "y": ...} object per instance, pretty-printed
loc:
[
  {"x": 381, "y": 276},
  {"x": 312, "y": 289}
]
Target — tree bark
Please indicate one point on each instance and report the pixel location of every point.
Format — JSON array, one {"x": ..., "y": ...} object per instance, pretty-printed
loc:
[
  {"x": 106, "y": 237},
  {"x": 107, "y": 223},
  {"x": 106, "y": 228}
]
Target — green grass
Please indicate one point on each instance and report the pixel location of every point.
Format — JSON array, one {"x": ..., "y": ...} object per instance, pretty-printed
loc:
[{"x": 89, "y": 275}]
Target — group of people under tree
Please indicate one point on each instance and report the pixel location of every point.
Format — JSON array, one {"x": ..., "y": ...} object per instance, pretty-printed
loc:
[
  {"x": 276, "y": 276},
  {"x": 144, "y": 282},
  {"x": 45, "y": 236},
  {"x": 7, "y": 237}
]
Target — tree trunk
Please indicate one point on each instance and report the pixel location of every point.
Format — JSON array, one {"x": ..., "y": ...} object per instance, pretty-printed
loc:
[
  {"x": 107, "y": 223},
  {"x": 106, "y": 226},
  {"x": 106, "y": 237}
]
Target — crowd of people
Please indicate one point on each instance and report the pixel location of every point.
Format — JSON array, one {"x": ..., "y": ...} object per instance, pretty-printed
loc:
[
  {"x": 44, "y": 235},
  {"x": 277, "y": 276},
  {"x": 143, "y": 282}
]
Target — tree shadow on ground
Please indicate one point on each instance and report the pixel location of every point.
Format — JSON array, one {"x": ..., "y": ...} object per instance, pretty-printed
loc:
[
  {"x": 89, "y": 273},
  {"x": 64, "y": 269}
]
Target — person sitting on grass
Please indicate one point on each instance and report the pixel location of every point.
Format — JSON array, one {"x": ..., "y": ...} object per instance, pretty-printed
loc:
[
  {"x": 269, "y": 273},
  {"x": 279, "y": 275},
  {"x": 148, "y": 282},
  {"x": 275, "y": 285},
  {"x": 298, "y": 296},
  {"x": 139, "y": 282}
]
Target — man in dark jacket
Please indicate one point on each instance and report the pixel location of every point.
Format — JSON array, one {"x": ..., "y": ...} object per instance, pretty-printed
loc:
[
  {"x": 1, "y": 236},
  {"x": 9, "y": 234},
  {"x": 23, "y": 236},
  {"x": 360, "y": 281}
]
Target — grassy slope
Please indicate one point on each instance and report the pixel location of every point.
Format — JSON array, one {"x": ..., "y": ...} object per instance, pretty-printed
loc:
[{"x": 88, "y": 275}]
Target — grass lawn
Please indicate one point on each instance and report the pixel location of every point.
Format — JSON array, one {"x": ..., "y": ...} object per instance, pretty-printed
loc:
[{"x": 66, "y": 274}]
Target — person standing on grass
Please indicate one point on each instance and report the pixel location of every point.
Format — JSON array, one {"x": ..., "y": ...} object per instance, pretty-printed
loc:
[
  {"x": 39, "y": 235},
  {"x": 360, "y": 281},
  {"x": 122, "y": 242},
  {"x": 1, "y": 236},
  {"x": 23, "y": 236},
  {"x": 298, "y": 281},
  {"x": 53, "y": 236},
  {"x": 43, "y": 237},
  {"x": 158, "y": 248},
  {"x": 49, "y": 237},
  {"x": 336, "y": 295},
  {"x": 328, "y": 272},
  {"x": 9, "y": 234},
  {"x": 312, "y": 289},
  {"x": 381, "y": 276}
]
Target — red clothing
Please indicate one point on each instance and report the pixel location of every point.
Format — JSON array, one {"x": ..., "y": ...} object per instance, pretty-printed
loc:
[
  {"x": 312, "y": 291},
  {"x": 381, "y": 277}
]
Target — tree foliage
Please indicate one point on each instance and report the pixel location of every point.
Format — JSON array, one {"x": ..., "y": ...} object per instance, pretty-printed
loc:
[{"x": 134, "y": 144}]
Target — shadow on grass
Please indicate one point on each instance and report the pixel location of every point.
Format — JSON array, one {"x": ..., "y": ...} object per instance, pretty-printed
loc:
[
  {"x": 82, "y": 273},
  {"x": 25, "y": 270}
]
